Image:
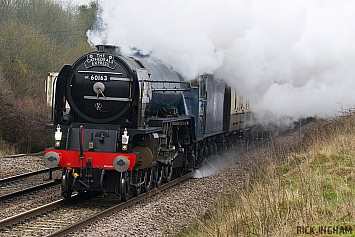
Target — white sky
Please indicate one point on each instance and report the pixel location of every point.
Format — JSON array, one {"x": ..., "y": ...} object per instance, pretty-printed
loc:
[{"x": 78, "y": 2}]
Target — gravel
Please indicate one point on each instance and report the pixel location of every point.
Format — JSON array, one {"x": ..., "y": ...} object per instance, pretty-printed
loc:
[
  {"x": 24, "y": 203},
  {"x": 11, "y": 166},
  {"x": 15, "y": 165}
]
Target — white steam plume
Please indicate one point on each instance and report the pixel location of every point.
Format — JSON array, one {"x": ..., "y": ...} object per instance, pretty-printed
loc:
[{"x": 292, "y": 58}]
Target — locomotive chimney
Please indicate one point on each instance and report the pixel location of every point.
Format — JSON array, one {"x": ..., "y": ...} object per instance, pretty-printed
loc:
[{"x": 112, "y": 49}]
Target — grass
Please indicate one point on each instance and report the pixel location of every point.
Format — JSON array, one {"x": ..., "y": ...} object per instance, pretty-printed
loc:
[
  {"x": 6, "y": 149},
  {"x": 308, "y": 190}
]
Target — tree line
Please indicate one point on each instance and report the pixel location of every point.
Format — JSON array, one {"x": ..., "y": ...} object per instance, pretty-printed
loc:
[{"x": 36, "y": 37}]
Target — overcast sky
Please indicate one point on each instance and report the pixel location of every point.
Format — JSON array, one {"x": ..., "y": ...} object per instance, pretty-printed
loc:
[
  {"x": 78, "y": 2},
  {"x": 290, "y": 57}
]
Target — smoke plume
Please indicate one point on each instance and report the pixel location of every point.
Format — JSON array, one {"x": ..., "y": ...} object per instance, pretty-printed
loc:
[{"x": 291, "y": 58}]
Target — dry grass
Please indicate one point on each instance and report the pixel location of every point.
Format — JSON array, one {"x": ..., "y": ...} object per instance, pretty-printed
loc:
[
  {"x": 311, "y": 184},
  {"x": 7, "y": 149}
]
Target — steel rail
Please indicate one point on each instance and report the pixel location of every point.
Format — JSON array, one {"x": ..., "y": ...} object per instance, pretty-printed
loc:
[
  {"x": 38, "y": 211},
  {"x": 26, "y": 175},
  {"x": 118, "y": 207},
  {"x": 29, "y": 190},
  {"x": 31, "y": 213}
]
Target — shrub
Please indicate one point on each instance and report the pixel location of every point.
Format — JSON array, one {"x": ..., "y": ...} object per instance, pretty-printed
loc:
[{"x": 22, "y": 121}]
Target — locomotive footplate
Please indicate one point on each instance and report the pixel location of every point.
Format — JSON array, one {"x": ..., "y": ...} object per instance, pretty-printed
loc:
[
  {"x": 158, "y": 122},
  {"x": 143, "y": 130}
]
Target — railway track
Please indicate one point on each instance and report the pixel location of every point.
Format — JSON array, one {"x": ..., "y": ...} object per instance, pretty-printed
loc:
[
  {"x": 25, "y": 183},
  {"x": 63, "y": 217}
]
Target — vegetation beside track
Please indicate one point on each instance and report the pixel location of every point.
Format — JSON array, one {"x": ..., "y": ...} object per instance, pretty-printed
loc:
[
  {"x": 36, "y": 37},
  {"x": 308, "y": 190}
]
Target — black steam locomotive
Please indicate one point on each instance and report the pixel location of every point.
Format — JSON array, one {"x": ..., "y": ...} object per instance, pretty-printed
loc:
[{"x": 134, "y": 123}]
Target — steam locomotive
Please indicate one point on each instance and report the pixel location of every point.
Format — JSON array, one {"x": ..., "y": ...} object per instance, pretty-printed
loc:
[{"x": 134, "y": 123}]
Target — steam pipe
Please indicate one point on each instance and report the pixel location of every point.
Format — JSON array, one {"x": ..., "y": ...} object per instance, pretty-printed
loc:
[{"x": 81, "y": 141}]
